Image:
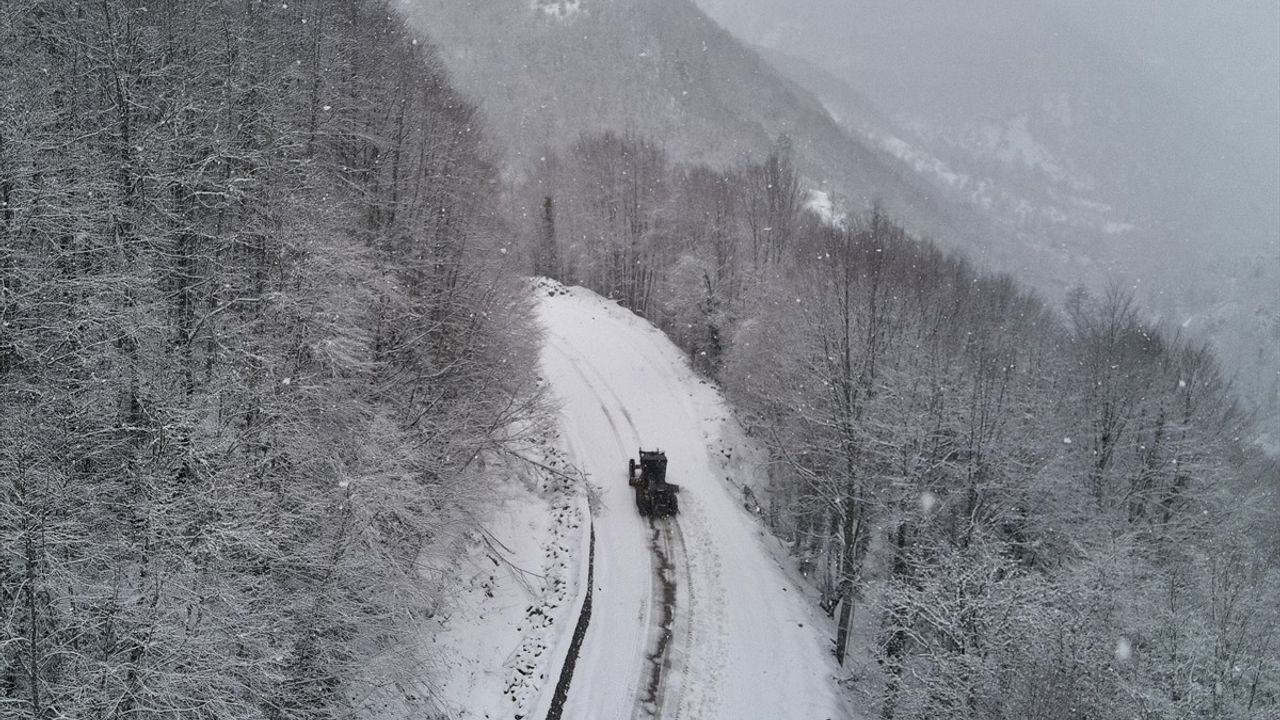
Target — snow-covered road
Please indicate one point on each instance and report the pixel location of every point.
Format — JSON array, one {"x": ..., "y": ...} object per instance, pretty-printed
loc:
[{"x": 692, "y": 617}]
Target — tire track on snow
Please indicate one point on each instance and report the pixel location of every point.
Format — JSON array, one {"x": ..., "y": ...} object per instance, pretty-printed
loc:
[{"x": 672, "y": 637}]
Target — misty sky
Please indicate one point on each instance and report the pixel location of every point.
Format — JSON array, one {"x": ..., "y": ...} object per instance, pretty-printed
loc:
[{"x": 1221, "y": 56}]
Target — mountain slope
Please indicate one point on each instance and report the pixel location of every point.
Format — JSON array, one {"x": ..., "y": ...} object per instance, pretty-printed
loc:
[
  {"x": 1112, "y": 155},
  {"x": 546, "y": 72},
  {"x": 1044, "y": 117},
  {"x": 997, "y": 169}
]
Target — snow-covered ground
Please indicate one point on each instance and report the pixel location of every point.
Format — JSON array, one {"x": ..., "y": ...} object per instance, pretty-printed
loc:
[
  {"x": 502, "y": 638},
  {"x": 693, "y": 617}
]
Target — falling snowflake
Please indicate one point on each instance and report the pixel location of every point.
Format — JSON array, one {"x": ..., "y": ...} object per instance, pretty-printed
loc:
[
  {"x": 928, "y": 501},
  {"x": 1124, "y": 650}
]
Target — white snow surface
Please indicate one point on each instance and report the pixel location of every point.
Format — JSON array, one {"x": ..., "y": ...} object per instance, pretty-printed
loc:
[
  {"x": 746, "y": 641},
  {"x": 503, "y": 636}
]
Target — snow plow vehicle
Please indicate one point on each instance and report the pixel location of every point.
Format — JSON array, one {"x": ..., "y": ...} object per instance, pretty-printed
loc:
[{"x": 655, "y": 497}]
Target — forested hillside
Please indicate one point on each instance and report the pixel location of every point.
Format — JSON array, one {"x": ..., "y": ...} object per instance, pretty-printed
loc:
[
  {"x": 267, "y": 347},
  {"x": 255, "y": 341},
  {"x": 1010, "y": 510}
]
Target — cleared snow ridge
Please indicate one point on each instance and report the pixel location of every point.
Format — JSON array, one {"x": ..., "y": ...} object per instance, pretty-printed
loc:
[{"x": 693, "y": 616}]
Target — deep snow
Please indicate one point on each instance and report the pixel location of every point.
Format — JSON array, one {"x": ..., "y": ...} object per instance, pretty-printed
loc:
[
  {"x": 693, "y": 617},
  {"x": 502, "y": 638}
]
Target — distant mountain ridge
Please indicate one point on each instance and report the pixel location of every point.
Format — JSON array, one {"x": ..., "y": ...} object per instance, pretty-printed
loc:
[{"x": 546, "y": 70}]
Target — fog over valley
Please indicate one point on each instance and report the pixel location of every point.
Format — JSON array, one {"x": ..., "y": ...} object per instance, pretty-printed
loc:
[{"x": 1203, "y": 78}]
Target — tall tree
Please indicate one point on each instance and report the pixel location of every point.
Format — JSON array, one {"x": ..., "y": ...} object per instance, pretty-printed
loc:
[{"x": 546, "y": 259}]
